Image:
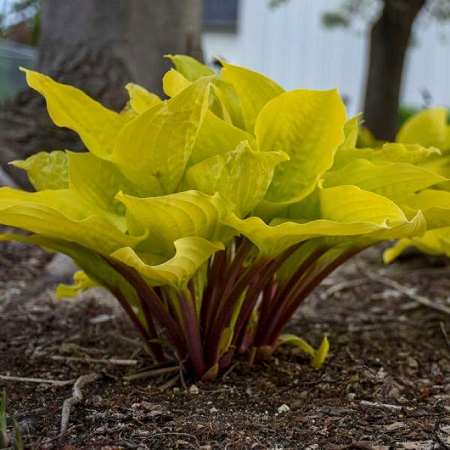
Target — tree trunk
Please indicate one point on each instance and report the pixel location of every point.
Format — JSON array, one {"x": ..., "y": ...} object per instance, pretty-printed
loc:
[
  {"x": 98, "y": 46},
  {"x": 389, "y": 42}
]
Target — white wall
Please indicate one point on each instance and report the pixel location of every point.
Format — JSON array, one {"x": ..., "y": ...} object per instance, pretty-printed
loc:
[
  {"x": 290, "y": 45},
  {"x": 428, "y": 65},
  {"x": 226, "y": 45}
]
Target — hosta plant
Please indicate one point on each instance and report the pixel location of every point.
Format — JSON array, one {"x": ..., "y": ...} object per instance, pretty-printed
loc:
[
  {"x": 428, "y": 128},
  {"x": 211, "y": 215}
]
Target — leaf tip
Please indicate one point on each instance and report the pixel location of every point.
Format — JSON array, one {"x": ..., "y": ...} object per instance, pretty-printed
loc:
[
  {"x": 321, "y": 353},
  {"x": 221, "y": 61}
]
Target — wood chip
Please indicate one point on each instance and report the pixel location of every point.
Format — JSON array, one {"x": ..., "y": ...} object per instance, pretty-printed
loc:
[{"x": 394, "y": 426}]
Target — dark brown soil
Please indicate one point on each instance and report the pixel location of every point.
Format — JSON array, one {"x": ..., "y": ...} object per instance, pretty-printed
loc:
[{"x": 386, "y": 384}]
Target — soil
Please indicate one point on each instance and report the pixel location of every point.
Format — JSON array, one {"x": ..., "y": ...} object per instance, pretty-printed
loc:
[{"x": 386, "y": 383}]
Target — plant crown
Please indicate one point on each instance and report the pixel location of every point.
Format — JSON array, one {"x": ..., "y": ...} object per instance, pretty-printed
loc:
[{"x": 213, "y": 214}]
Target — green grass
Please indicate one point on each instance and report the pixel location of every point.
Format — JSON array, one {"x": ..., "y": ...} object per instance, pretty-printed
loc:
[{"x": 4, "y": 441}]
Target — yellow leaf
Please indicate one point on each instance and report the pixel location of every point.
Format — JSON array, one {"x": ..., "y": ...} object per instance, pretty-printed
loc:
[
  {"x": 69, "y": 107},
  {"x": 190, "y": 254},
  {"x": 308, "y": 126},
  {"x": 152, "y": 150},
  {"x": 140, "y": 98},
  {"x": 428, "y": 128},
  {"x": 253, "y": 89}
]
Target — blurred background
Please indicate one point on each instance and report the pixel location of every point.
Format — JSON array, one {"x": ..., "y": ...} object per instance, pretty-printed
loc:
[{"x": 388, "y": 58}]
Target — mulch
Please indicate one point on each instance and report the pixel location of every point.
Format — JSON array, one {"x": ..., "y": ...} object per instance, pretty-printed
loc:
[{"x": 75, "y": 374}]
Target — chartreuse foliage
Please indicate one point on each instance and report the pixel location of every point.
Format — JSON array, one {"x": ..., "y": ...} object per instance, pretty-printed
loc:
[
  {"x": 429, "y": 128},
  {"x": 212, "y": 215}
]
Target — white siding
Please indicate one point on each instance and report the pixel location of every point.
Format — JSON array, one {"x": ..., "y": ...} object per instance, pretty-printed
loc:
[
  {"x": 428, "y": 66},
  {"x": 224, "y": 45},
  {"x": 290, "y": 45}
]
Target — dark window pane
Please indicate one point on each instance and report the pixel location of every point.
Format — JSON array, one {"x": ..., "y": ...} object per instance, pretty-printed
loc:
[{"x": 220, "y": 14}]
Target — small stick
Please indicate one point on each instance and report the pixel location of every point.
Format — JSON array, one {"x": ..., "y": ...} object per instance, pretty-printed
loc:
[
  {"x": 112, "y": 361},
  {"x": 169, "y": 383},
  {"x": 151, "y": 373},
  {"x": 77, "y": 396},
  {"x": 229, "y": 370},
  {"x": 36, "y": 380},
  {"x": 383, "y": 405},
  {"x": 338, "y": 287},
  {"x": 408, "y": 292}
]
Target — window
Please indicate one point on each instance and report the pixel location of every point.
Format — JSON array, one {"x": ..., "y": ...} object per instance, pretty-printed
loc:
[{"x": 220, "y": 15}]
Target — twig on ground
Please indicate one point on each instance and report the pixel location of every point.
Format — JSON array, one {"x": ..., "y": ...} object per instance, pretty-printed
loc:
[
  {"x": 36, "y": 380},
  {"x": 228, "y": 371},
  {"x": 384, "y": 406},
  {"x": 338, "y": 287},
  {"x": 409, "y": 293},
  {"x": 169, "y": 383},
  {"x": 352, "y": 328},
  {"x": 180, "y": 434},
  {"x": 112, "y": 361},
  {"x": 134, "y": 342},
  {"x": 151, "y": 373},
  {"x": 77, "y": 396},
  {"x": 444, "y": 333}
]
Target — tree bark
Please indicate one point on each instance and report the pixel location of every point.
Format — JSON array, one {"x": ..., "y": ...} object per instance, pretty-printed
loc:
[
  {"x": 97, "y": 46},
  {"x": 390, "y": 37}
]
